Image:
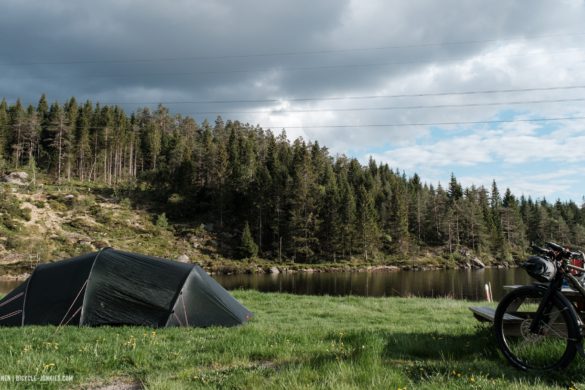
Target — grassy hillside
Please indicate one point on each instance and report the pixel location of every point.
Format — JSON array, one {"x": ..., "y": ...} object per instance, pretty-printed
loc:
[
  {"x": 44, "y": 222},
  {"x": 47, "y": 222},
  {"x": 292, "y": 342}
]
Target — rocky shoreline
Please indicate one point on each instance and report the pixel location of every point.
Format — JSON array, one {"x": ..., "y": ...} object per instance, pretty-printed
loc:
[
  {"x": 12, "y": 273},
  {"x": 226, "y": 270}
]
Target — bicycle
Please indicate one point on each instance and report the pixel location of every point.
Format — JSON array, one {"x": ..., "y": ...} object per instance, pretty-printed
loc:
[{"x": 536, "y": 326}]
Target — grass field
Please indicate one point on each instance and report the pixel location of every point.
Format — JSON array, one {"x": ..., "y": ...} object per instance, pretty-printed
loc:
[{"x": 293, "y": 342}]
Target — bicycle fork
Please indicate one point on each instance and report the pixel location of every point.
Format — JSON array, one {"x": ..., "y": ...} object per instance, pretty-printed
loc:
[
  {"x": 577, "y": 286},
  {"x": 544, "y": 307}
]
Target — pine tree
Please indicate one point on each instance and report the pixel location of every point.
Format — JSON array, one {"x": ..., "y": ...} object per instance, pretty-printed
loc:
[
  {"x": 367, "y": 225},
  {"x": 248, "y": 247},
  {"x": 3, "y": 130},
  {"x": 17, "y": 129},
  {"x": 347, "y": 213},
  {"x": 399, "y": 218},
  {"x": 303, "y": 217},
  {"x": 329, "y": 214},
  {"x": 455, "y": 190},
  {"x": 59, "y": 139},
  {"x": 71, "y": 113},
  {"x": 82, "y": 142},
  {"x": 31, "y": 134}
]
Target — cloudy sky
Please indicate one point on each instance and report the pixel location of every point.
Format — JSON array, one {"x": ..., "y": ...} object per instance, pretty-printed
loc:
[{"x": 487, "y": 90}]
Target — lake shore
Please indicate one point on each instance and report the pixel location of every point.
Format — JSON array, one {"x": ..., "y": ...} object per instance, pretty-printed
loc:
[
  {"x": 259, "y": 266},
  {"x": 292, "y": 342}
]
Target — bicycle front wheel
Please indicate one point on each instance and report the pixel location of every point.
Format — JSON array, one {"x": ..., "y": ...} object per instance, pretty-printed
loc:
[{"x": 554, "y": 343}]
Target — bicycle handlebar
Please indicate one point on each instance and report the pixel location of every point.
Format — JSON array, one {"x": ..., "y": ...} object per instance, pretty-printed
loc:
[
  {"x": 558, "y": 251},
  {"x": 538, "y": 249}
]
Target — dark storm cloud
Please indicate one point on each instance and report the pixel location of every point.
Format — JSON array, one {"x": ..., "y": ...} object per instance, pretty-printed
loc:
[
  {"x": 120, "y": 51},
  {"x": 117, "y": 31},
  {"x": 88, "y": 49}
]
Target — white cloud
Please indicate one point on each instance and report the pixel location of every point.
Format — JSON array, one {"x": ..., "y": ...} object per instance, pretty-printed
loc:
[{"x": 510, "y": 46}]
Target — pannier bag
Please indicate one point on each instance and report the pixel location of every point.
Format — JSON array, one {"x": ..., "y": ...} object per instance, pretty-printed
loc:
[{"x": 540, "y": 268}]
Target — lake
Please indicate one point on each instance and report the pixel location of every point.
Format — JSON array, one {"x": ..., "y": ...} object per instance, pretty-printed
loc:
[{"x": 459, "y": 284}]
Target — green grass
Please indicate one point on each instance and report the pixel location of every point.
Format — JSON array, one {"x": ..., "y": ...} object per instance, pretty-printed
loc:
[{"x": 292, "y": 342}]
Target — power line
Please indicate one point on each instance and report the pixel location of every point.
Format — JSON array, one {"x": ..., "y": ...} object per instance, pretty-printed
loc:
[
  {"x": 434, "y": 123},
  {"x": 287, "y": 69},
  {"x": 366, "y": 97},
  {"x": 417, "y": 107},
  {"x": 289, "y": 53}
]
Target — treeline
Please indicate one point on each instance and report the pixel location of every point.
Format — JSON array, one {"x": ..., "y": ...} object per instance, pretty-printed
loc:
[{"x": 295, "y": 199}]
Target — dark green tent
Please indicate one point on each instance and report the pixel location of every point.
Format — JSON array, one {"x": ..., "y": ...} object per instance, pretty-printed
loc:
[{"x": 112, "y": 287}]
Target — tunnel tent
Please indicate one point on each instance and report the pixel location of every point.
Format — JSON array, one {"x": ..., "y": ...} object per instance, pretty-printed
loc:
[{"x": 112, "y": 287}]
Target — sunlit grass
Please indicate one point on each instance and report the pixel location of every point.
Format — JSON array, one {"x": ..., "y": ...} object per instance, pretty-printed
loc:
[{"x": 292, "y": 342}]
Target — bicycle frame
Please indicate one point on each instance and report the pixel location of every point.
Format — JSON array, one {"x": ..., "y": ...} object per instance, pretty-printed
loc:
[
  {"x": 556, "y": 285},
  {"x": 544, "y": 312}
]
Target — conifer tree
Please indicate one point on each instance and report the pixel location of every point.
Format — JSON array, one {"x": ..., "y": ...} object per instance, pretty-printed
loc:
[
  {"x": 17, "y": 129},
  {"x": 31, "y": 134},
  {"x": 58, "y": 133},
  {"x": 3, "y": 129},
  {"x": 399, "y": 218},
  {"x": 366, "y": 222},
  {"x": 248, "y": 247}
]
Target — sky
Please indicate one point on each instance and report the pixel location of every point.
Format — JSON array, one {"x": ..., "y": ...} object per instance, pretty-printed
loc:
[{"x": 484, "y": 90}]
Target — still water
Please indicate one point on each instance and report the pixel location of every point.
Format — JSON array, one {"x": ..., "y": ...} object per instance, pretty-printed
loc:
[{"x": 460, "y": 284}]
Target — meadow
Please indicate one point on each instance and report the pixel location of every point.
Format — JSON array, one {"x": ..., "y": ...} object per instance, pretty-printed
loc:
[{"x": 292, "y": 342}]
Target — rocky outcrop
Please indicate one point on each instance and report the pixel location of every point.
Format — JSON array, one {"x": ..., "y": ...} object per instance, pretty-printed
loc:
[
  {"x": 477, "y": 263},
  {"x": 383, "y": 268},
  {"x": 17, "y": 178}
]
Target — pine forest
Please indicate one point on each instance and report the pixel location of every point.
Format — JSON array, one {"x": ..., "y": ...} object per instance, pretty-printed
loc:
[{"x": 285, "y": 199}]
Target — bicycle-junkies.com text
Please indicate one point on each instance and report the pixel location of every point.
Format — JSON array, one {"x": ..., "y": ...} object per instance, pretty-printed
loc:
[{"x": 36, "y": 378}]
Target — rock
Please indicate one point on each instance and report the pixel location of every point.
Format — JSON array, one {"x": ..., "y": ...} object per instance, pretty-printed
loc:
[
  {"x": 477, "y": 263},
  {"x": 183, "y": 259},
  {"x": 387, "y": 268},
  {"x": 464, "y": 252},
  {"x": 18, "y": 178},
  {"x": 273, "y": 270},
  {"x": 100, "y": 244}
]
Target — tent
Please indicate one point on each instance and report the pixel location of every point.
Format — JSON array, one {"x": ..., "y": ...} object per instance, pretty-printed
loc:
[{"x": 112, "y": 287}]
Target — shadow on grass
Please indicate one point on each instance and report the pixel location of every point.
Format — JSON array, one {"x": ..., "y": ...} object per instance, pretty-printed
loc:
[
  {"x": 440, "y": 346},
  {"x": 429, "y": 355}
]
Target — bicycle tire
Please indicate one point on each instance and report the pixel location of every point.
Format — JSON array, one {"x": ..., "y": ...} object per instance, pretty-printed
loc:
[{"x": 553, "y": 348}]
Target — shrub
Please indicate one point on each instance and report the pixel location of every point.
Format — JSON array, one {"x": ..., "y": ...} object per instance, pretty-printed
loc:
[
  {"x": 126, "y": 203},
  {"x": 26, "y": 214},
  {"x": 162, "y": 222}
]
